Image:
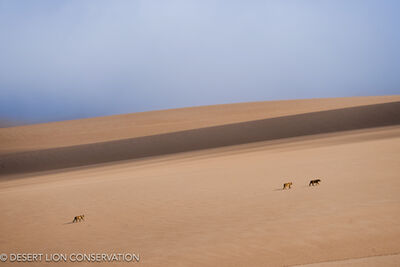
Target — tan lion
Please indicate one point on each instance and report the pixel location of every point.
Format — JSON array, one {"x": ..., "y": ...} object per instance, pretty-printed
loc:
[
  {"x": 79, "y": 218},
  {"x": 287, "y": 185}
]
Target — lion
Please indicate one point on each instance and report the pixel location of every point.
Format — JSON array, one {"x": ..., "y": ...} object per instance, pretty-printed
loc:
[
  {"x": 314, "y": 182},
  {"x": 79, "y": 218},
  {"x": 287, "y": 185}
]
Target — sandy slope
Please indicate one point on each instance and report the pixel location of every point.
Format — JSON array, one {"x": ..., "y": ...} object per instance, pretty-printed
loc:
[
  {"x": 103, "y": 129},
  {"x": 386, "y": 260},
  {"x": 282, "y": 127},
  {"x": 223, "y": 206}
]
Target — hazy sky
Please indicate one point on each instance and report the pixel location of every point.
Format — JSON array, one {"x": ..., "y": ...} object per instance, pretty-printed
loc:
[{"x": 72, "y": 59}]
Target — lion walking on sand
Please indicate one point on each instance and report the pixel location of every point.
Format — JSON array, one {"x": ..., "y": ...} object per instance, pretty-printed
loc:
[
  {"x": 314, "y": 182},
  {"x": 79, "y": 218},
  {"x": 287, "y": 185}
]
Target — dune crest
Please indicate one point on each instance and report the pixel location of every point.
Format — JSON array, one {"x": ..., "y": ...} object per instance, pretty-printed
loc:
[
  {"x": 354, "y": 118},
  {"x": 118, "y": 127}
]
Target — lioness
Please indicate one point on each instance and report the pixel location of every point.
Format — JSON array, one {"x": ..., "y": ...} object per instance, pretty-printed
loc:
[
  {"x": 287, "y": 185},
  {"x": 314, "y": 182},
  {"x": 79, "y": 218}
]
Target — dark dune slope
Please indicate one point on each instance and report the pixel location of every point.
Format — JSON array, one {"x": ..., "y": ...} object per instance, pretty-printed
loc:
[{"x": 354, "y": 118}]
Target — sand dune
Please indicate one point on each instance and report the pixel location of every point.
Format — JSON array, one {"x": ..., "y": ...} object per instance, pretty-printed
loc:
[
  {"x": 218, "y": 202},
  {"x": 111, "y": 128},
  {"x": 7, "y": 123},
  {"x": 346, "y": 119}
]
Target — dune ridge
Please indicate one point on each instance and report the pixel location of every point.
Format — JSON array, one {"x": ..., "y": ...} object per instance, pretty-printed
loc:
[
  {"x": 361, "y": 117},
  {"x": 118, "y": 127}
]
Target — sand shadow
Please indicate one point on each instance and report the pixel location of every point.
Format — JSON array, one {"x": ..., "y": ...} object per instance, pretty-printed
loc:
[{"x": 72, "y": 222}]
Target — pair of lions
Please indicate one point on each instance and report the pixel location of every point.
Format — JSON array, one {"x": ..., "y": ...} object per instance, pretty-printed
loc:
[
  {"x": 79, "y": 218},
  {"x": 312, "y": 183}
]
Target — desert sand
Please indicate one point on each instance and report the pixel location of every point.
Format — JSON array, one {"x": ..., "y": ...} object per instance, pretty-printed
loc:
[{"x": 202, "y": 186}]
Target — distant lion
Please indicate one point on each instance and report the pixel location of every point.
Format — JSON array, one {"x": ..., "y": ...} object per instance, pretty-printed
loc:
[
  {"x": 79, "y": 218},
  {"x": 314, "y": 182},
  {"x": 287, "y": 185}
]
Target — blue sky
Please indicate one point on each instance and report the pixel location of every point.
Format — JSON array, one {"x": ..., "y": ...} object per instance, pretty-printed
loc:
[{"x": 74, "y": 59}]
